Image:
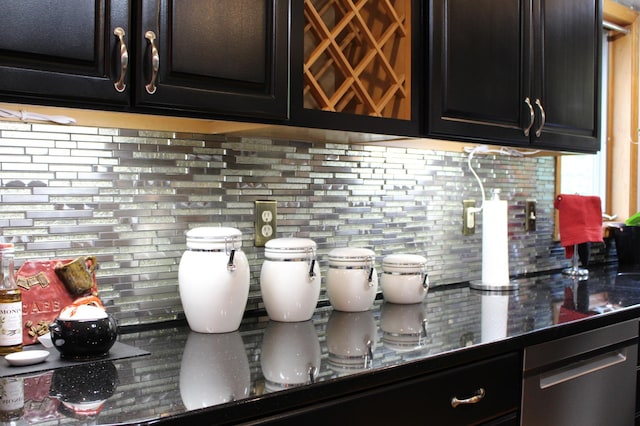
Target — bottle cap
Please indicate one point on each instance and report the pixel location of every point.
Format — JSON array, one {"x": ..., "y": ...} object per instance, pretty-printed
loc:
[{"x": 6, "y": 247}]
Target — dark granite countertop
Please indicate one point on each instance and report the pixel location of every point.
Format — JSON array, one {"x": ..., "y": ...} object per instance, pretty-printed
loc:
[{"x": 268, "y": 366}]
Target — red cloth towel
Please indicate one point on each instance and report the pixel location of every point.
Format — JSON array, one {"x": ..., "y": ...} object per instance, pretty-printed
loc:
[{"x": 580, "y": 220}]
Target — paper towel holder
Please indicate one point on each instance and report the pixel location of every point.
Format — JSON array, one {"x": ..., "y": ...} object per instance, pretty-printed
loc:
[
  {"x": 574, "y": 270},
  {"x": 507, "y": 287}
]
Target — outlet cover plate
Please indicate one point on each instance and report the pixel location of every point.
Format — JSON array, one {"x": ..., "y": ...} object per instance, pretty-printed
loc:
[
  {"x": 530, "y": 216},
  {"x": 266, "y": 212},
  {"x": 468, "y": 218}
]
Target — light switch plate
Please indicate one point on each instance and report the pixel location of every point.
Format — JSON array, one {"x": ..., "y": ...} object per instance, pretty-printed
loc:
[
  {"x": 530, "y": 216},
  {"x": 266, "y": 211}
]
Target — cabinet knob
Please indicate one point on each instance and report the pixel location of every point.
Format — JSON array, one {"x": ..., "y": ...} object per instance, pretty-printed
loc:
[
  {"x": 532, "y": 116},
  {"x": 124, "y": 60},
  {"x": 479, "y": 395},
  {"x": 155, "y": 62},
  {"x": 543, "y": 118}
]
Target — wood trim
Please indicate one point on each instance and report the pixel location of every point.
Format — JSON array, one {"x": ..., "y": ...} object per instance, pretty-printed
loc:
[
  {"x": 127, "y": 120},
  {"x": 556, "y": 215},
  {"x": 609, "y": 134},
  {"x": 618, "y": 14},
  {"x": 620, "y": 119},
  {"x": 633, "y": 128},
  {"x": 623, "y": 113}
]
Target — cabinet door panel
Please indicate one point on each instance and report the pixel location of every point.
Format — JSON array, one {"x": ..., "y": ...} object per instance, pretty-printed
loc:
[
  {"x": 478, "y": 69},
  {"x": 427, "y": 400},
  {"x": 209, "y": 53},
  {"x": 568, "y": 72},
  {"x": 226, "y": 57},
  {"x": 57, "y": 51},
  {"x": 38, "y": 34}
]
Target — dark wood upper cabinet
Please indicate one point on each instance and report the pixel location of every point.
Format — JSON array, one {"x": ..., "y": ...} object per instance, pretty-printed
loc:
[
  {"x": 515, "y": 72},
  {"x": 228, "y": 58},
  {"x": 567, "y": 73},
  {"x": 511, "y": 72},
  {"x": 62, "y": 52},
  {"x": 223, "y": 57},
  {"x": 478, "y": 69}
]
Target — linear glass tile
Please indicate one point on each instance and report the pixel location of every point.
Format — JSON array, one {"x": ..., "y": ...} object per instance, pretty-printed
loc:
[
  {"x": 14, "y": 125},
  {"x": 143, "y": 190}
]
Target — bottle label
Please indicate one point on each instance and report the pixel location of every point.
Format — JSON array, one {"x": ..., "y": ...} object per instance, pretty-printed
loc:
[
  {"x": 10, "y": 324},
  {"x": 11, "y": 394}
]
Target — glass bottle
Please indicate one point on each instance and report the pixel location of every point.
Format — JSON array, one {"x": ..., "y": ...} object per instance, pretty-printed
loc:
[
  {"x": 10, "y": 303},
  {"x": 11, "y": 400}
]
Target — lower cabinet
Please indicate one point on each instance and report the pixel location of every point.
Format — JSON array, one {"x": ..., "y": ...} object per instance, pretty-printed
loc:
[
  {"x": 484, "y": 392},
  {"x": 638, "y": 395}
]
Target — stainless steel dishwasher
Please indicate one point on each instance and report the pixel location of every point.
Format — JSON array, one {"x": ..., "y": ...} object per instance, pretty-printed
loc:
[{"x": 586, "y": 379}]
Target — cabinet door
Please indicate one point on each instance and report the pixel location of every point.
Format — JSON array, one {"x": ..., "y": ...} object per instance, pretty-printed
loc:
[
  {"x": 226, "y": 57},
  {"x": 62, "y": 51},
  {"x": 427, "y": 400},
  {"x": 479, "y": 70},
  {"x": 567, "y": 73}
]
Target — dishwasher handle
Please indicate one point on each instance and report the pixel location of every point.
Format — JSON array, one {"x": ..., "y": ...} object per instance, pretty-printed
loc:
[{"x": 582, "y": 368}]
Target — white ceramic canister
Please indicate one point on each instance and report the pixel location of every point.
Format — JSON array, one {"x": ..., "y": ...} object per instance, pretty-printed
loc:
[
  {"x": 290, "y": 279},
  {"x": 404, "y": 278},
  {"x": 352, "y": 281},
  {"x": 213, "y": 278}
]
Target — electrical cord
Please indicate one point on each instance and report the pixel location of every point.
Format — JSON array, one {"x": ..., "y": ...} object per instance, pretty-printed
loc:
[
  {"x": 484, "y": 149},
  {"x": 34, "y": 116}
]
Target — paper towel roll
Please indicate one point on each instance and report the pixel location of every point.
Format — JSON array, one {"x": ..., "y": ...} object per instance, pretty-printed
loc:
[{"x": 495, "y": 239}]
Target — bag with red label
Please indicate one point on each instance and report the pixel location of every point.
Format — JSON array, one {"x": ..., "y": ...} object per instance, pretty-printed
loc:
[{"x": 48, "y": 286}]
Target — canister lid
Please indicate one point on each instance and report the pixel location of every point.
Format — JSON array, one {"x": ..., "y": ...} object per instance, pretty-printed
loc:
[
  {"x": 214, "y": 237},
  {"x": 351, "y": 255},
  {"x": 290, "y": 244},
  {"x": 406, "y": 262},
  {"x": 283, "y": 248}
]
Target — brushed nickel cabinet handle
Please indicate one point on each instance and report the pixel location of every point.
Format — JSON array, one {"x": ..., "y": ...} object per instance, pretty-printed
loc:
[
  {"x": 155, "y": 62},
  {"x": 479, "y": 395},
  {"x": 543, "y": 118},
  {"x": 124, "y": 60},
  {"x": 532, "y": 116}
]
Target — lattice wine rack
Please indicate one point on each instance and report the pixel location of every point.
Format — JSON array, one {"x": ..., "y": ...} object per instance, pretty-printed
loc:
[{"x": 358, "y": 57}]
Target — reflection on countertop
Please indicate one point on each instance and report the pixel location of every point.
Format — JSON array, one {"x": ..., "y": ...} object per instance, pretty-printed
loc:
[{"x": 188, "y": 371}]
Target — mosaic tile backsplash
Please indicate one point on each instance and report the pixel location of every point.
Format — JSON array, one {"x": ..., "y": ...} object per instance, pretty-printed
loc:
[{"x": 128, "y": 197}]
